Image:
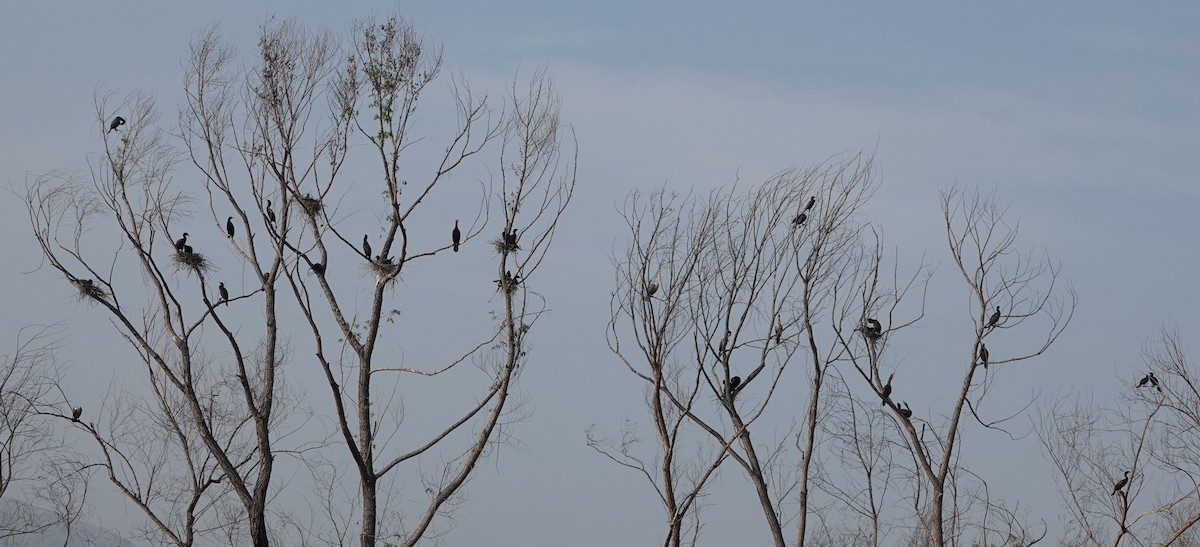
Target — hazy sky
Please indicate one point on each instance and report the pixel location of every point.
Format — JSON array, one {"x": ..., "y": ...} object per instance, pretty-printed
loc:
[{"x": 1084, "y": 116}]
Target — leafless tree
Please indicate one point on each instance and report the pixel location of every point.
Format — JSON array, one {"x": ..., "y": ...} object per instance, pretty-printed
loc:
[
  {"x": 750, "y": 281},
  {"x": 1151, "y": 434},
  {"x": 1008, "y": 289}
]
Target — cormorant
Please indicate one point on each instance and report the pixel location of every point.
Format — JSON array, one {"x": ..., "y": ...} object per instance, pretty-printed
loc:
[
  {"x": 318, "y": 267},
  {"x": 229, "y": 227},
  {"x": 1142, "y": 382},
  {"x": 366, "y": 247},
  {"x": 187, "y": 249},
  {"x": 651, "y": 288},
  {"x": 224, "y": 293},
  {"x": 116, "y": 122},
  {"x": 887, "y": 389},
  {"x": 510, "y": 239},
  {"x": 778, "y": 330},
  {"x": 181, "y": 242},
  {"x": 906, "y": 412},
  {"x": 731, "y": 389},
  {"x": 995, "y": 319},
  {"x": 270, "y": 212},
  {"x": 1154, "y": 382},
  {"x": 800, "y": 218},
  {"x": 875, "y": 326},
  {"x": 455, "y": 235},
  {"x": 983, "y": 354},
  {"x": 1120, "y": 484},
  {"x": 76, "y": 410},
  {"x": 811, "y": 202}
]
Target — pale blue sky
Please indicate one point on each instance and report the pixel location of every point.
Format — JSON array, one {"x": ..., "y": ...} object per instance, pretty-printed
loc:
[{"x": 1084, "y": 115}]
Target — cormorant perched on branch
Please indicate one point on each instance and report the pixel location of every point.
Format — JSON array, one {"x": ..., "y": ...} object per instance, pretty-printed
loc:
[
  {"x": 732, "y": 387},
  {"x": 181, "y": 242},
  {"x": 187, "y": 249},
  {"x": 812, "y": 201},
  {"x": 778, "y": 330},
  {"x": 318, "y": 267},
  {"x": 995, "y": 319},
  {"x": 229, "y": 227},
  {"x": 887, "y": 390},
  {"x": 366, "y": 247},
  {"x": 224, "y": 293},
  {"x": 875, "y": 326},
  {"x": 270, "y": 212},
  {"x": 651, "y": 288},
  {"x": 906, "y": 412},
  {"x": 1120, "y": 484},
  {"x": 510, "y": 239},
  {"x": 76, "y": 410},
  {"x": 455, "y": 235},
  {"x": 800, "y": 218},
  {"x": 983, "y": 355},
  {"x": 116, "y": 122}
]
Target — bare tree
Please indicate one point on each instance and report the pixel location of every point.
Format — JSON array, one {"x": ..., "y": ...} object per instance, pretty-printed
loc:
[
  {"x": 1130, "y": 473},
  {"x": 749, "y": 280}
]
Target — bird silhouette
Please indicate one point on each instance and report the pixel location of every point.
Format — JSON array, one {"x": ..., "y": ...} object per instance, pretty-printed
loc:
[
  {"x": 732, "y": 388},
  {"x": 906, "y": 412},
  {"x": 995, "y": 319},
  {"x": 875, "y": 326},
  {"x": 187, "y": 249},
  {"x": 76, "y": 410},
  {"x": 229, "y": 227},
  {"x": 366, "y": 247},
  {"x": 116, "y": 122},
  {"x": 455, "y": 236},
  {"x": 886, "y": 392},
  {"x": 181, "y": 242},
  {"x": 800, "y": 218},
  {"x": 1143, "y": 381},
  {"x": 1154, "y": 382},
  {"x": 318, "y": 267},
  {"x": 983, "y": 354},
  {"x": 651, "y": 288},
  {"x": 812, "y": 201},
  {"x": 1120, "y": 484},
  {"x": 270, "y": 212},
  {"x": 224, "y": 293}
]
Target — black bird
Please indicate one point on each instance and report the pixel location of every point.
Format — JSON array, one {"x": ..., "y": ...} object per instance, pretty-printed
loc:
[
  {"x": 510, "y": 239},
  {"x": 1142, "y": 382},
  {"x": 1154, "y": 382},
  {"x": 229, "y": 227},
  {"x": 887, "y": 390},
  {"x": 224, "y": 293},
  {"x": 995, "y": 319},
  {"x": 116, "y": 122},
  {"x": 906, "y": 412},
  {"x": 270, "y": 212},
  {"x": 800, "y": 218},
  {"x": 366, "y": 247},
  {"x": 76, "y": 410},
  {"x": 318, "y": 267},
  {"x": 811, "y": 202},
  {"x": 1120, "y": 484},
  {"x": 455, "y": 235},
  {"x": 983, "y": 354},
  {"x": 731, "y": 389},
  {"x": 778, "y": 331},
  {"x": 651, "y": 288},
  {"x": 187, "y": 249},
  {"x": 181, "y": 242},
  {"x": 875, "y": 326}
]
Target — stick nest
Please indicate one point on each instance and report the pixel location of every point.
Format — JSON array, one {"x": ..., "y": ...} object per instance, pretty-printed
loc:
[
  {"x": 88, "y": 289},
  {"x": 383, "y": 267},
  {"x": 193, "y": 261},
  {"x": 310, "y": 205},
  {"x": 506, "y": 244}
]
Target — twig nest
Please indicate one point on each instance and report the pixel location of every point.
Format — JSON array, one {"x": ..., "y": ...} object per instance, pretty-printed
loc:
[
  {"x": 383, "y": 267},
  {"x": 191, "y": 260},
  {"x": 87, "y": 288},
  {"x": 310, "y": 205}
]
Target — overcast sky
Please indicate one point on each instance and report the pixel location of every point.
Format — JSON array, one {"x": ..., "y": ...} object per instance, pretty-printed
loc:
[{"x": 1084, "y": 116}]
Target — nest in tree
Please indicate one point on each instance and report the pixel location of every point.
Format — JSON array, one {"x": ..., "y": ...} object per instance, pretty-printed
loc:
[
  {"x": 310, "y": 205},
  {"x": 87, "y": 288},
  {"x": 383, "y": 267},
  {"x": 191, "y": 260},
  {"x": 508, "y": 283},
  {"x": 506, "y": 243}
]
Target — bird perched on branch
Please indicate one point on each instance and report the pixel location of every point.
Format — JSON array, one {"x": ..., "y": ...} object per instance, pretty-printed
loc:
[
  {"x": 76, "y": 411},
  {"x": 651, "y": 288},
  {"x": 366, "y": 247},
  {"x": 224, "y": 293},
  {"x": 800, "y": 218},
  {"x": 812, "y": 201},
  {"x": 906, "y": 412},
  {"x": 886, "y": 392},
  {"x": 983, "y": 355},
  {"x": 731, "y": 388},
  {"x": 995, "y": 319},
  {"x": 181, "y": 242},
  {"x": 229, "y": 227},
  {"x": 1120, "y": 484},
  {"x": 455, "y": 236},
  {"x": 318, "y": 268},
  {"x": 270, "y": 212},
  {"x": 116, "y": 122}
]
